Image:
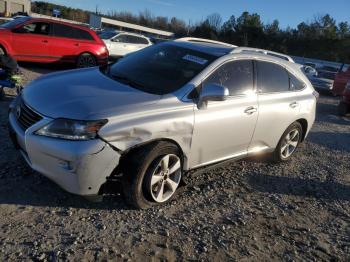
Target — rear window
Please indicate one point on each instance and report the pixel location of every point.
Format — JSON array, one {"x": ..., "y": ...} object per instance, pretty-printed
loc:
[
  {"x": 272, "y": 78},
  {"x": 61, "y": 30}
]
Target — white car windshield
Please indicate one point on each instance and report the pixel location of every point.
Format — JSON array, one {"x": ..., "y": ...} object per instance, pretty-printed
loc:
[
  {"x": 107, "y": 35},
  {"x": 160, "y": 69}
]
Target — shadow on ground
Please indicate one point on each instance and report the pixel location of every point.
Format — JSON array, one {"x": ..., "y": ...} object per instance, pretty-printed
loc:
[
  {"x": 331, "y": 140},
  {"x": 299, "y": 187}
]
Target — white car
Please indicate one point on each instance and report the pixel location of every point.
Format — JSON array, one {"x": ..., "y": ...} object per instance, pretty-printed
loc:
[
  {"x": 120, "y": 44},
  {"x": 159, "y": 113}
]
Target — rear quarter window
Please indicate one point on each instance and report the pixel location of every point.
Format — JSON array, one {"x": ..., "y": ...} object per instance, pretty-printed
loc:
[
  {"x": 295, "y": 84},
  {"x": 61, "y": 30}
]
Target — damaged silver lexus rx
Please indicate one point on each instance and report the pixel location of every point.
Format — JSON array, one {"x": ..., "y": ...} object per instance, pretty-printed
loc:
[{"x": 158, "y": 113}]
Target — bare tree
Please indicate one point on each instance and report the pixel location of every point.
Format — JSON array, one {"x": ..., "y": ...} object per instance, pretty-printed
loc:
[{"x": 215, "y": 21}]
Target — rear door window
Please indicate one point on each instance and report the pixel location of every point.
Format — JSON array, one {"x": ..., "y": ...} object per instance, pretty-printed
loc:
[
  {"x": 141, "y": 40},
  {"x": 272, "y": 78},
  {"x": 134, "y": 39},
  {"x": 237, "y": 76}
]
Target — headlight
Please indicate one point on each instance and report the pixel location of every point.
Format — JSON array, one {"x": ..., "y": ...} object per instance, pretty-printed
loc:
[{"x": 72, "y": 129}]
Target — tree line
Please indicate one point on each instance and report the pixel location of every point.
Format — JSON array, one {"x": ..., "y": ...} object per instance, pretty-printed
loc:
[{"x": 322, "y": 38}]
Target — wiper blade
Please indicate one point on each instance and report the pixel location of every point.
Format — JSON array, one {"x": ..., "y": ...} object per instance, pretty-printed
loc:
[{"x": 126, "y": 80}]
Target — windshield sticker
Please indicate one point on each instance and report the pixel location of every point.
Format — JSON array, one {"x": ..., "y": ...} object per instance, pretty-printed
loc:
[{"x": 195, "y": 59}]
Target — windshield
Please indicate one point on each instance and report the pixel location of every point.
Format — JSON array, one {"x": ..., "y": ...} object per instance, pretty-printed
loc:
[
  {"x": 160, "y": 69},
  {"x": 107, "y": 35},
  {"x": 14, "y": 23},
  {"x": 327, "y": 75}
]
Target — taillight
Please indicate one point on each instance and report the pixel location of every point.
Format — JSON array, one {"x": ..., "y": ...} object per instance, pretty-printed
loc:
[{"x": 316, "y": 94}]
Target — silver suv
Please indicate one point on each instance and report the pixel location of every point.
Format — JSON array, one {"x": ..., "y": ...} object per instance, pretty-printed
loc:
[{"x": 160, "y": 112}]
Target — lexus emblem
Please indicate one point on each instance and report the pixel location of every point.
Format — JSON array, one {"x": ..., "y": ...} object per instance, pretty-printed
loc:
[{"x": 18, "y": 111}]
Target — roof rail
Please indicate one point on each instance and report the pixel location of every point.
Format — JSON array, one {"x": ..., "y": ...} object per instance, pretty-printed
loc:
[
  {"x": 262, "y": 51},
  {"x": 202, "y": 40}
]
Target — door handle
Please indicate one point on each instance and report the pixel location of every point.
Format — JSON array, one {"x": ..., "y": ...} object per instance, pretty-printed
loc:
[
  {"x": 250, "y": 110},
  {"x": 294, "y": 104},
  {"x": 77, "y": 44},
  {"x": 45, "y": 41}
]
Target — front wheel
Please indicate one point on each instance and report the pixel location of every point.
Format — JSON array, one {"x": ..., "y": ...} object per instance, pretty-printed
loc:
[
  {"x": 86, "y": 60},
  {"x": 152, "y": 175},
  {"x": 288, "y": 143}
]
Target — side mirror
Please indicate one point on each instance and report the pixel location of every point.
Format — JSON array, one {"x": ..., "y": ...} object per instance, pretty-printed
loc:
[{"x": 212, "y": 92}]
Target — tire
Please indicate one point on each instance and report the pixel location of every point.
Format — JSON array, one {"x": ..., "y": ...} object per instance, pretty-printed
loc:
[
  {"x": 2, "y": 93},
  {"x": 343, "y": 109},
  {"x": 288, "y": 143},
  {"x": 2, "y": 51},
  {"x": 147, "y": 182},
  {"x": 86, "y": 60}
]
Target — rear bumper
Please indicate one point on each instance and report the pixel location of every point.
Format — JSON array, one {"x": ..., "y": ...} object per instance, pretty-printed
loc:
[
  {"x": 102, "y": 61},
  {"x": 79, "y": 167}
]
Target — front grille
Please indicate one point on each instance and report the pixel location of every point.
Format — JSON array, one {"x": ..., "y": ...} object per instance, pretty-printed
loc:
[{"x": 26, "y": 117}]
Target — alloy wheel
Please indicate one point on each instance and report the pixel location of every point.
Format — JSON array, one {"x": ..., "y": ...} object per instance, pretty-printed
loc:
[
  {"x": 86, "y": 61},
  {"x": 290, "y": 143},
  {"x": 165, "y": 178}
]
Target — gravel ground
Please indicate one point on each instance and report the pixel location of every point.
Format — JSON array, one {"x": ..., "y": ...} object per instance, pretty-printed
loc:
[{"x": 246, "y": 210}]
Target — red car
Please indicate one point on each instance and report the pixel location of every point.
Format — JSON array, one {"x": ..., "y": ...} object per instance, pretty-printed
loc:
[
  {"x": 344, "y": 105},
  {"x": 341, "y": 78},
  {"x": 45, "y": 40}
]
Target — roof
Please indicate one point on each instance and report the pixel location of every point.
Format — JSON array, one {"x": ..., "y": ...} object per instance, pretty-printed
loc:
[
  {"x": 35, "y": 15},
  {"x": 206, "y": 46},
  {"x": 262, "y": 51},
  {"x": 118, "y": 23}
]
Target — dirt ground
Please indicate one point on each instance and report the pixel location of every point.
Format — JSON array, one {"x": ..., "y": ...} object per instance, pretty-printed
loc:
[{"x": 248, "y": 210}]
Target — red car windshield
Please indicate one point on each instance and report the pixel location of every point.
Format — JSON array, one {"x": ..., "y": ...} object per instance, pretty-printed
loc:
[{"x": 13, "y": 23}]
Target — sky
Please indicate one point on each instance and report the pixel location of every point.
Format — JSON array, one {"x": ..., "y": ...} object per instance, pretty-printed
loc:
[{"x": 288, "y": 12}]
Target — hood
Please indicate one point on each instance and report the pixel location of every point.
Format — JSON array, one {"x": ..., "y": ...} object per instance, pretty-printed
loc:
[{"x": 85, "y": 94}]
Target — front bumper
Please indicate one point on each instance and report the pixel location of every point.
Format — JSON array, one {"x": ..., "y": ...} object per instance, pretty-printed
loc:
[{"x": 79, "y": 167}]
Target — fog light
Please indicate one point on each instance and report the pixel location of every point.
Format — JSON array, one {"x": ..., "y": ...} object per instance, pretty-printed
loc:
[{"x": 65, "y": 165}]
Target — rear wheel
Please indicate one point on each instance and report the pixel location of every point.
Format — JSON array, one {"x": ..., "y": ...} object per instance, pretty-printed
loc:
[
  {"x": 288, "y": 143},
  {"x": 152, "y": 175},
  {"x": 86, "y": 60},
  {"x": 343, "y": 109}
]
